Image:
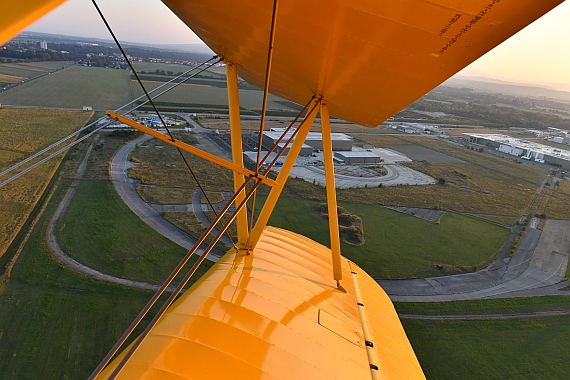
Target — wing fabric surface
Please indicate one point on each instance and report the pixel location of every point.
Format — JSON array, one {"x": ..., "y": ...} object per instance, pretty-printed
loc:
[
  {"x": 276, "y": 314},
  {"x": 368, "y": 58},
  {"x": 18, "y": 14}
]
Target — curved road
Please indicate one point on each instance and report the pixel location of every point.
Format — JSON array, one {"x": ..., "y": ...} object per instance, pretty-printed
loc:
[
  {"x": 397, "y": 175},
  {"x": 485, "y": 317},
  {"x": 126, "y": 187},
  {"x": 537, "y": 268}
]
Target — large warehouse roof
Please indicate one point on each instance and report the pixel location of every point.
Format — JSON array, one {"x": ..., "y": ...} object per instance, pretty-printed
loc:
[
  {"x": 524, "y": 144},
  {"x": 312, "y": 136},
  {"x": 355, "y": 154}
]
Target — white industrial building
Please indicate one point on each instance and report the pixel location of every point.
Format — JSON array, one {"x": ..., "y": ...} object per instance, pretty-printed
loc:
[
  {"x": 357, "y": 157},
  {"x": 418, "y": 128},
  {"x": 524, "y": 149},
  {"x": 510, "y": 150},
  {"x": 340, "y": 141}
]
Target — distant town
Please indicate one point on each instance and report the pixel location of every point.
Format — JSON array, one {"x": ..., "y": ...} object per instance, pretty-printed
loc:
[{"x": 30, "y": 47}]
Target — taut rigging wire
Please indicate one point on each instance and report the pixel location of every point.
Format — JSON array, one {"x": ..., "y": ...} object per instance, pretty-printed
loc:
[
  {"x": 169, "y": 280},
  {"x": 157, "y": 112},
  {"x": 13, "y": 167},
  {"x": 264, "y": 104}
]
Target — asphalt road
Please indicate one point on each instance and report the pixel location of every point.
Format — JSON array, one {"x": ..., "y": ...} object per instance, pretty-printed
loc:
[
  {"x": 126, "y": 187},
  {"x": 537, "y": 268},
  {"x": 11, "y": 86},
  {"x": 397, "y": 175}
]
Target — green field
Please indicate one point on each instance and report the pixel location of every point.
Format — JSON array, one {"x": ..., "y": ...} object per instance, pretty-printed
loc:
[
  {"x": 56, "y": 324},
  {"x": 526, "y": 348},
  {"x": 100, "y": 231},
  {"x": 399, "y": 245},
  {"x": 205, "y": 95},
  {"x": 74, "y": 87},
  {"x": 533, "y": 348}
]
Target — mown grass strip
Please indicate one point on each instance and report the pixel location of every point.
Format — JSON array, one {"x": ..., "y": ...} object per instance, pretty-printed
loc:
[
  {"x": 100, "y": 231},
  {"x": 399, "y": 245},
  {"x": 534, "y": 348},
  {"x": 490, "y": 306}
]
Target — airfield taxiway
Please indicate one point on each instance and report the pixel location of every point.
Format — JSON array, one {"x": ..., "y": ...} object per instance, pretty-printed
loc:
[{"x": 538, "y": 267}]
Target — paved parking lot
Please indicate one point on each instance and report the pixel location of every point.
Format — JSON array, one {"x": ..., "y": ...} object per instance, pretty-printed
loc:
[
  {"x": 311, "y": 170},
  {"x": 397, "y": 175}
]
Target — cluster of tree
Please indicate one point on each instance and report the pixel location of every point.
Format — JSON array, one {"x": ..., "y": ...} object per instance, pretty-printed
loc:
[
  {"x": 30, "y": 50},
  {"x": 38, "y": 55},
  {"x": 171, "y": 73}
]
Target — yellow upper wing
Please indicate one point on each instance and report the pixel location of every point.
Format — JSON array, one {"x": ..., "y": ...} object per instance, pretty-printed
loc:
[
  {"x": 17, "y": 15},
  {"x": 368, "y": 58}
]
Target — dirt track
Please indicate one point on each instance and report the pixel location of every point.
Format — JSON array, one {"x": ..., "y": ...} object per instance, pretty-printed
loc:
[{"x": 61, "y": 257}]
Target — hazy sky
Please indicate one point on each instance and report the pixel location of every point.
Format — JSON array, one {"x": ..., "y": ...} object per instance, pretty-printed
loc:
[{"x": 541, "y": 52}]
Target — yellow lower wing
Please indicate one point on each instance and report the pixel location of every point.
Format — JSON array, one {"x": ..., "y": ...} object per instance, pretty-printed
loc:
[{"x": 277, "y": 314}]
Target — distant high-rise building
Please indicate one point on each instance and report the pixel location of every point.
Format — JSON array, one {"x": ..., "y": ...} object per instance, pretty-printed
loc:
[{"x": 43, "y": 45}]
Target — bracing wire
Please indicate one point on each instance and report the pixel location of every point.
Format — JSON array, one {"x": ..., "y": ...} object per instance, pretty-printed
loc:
[
  {"x": 264, "y": 104},
  {"x": 37, "y": 154},
  {"x": 183, "y": 262},
  {"x": 157, "y": 112},
  {"x": 131, "y": 350},
  {"x": 186, "y": 278},
  {"x": 169, "y": 280}
]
